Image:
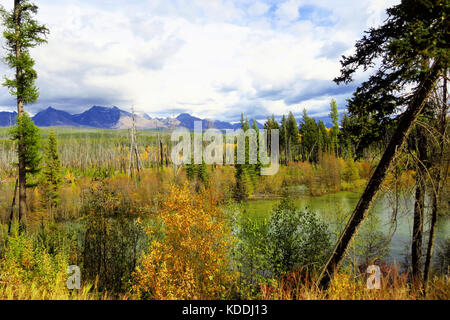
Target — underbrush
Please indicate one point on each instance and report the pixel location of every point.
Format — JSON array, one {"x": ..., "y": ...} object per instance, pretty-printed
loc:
[
  {"x": 28, "y": 271},
  {"x": 347, "y": 286}
]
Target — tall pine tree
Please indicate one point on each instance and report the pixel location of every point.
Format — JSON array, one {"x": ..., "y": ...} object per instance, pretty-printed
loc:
[
  {"x": 334, "y": 132},
  {"x": 22, "y": 32}
]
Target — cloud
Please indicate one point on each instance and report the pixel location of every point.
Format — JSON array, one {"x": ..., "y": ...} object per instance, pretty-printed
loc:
[
  {"x": 212, "y": 58},
  {"x": 333, "y": 49},
  {"x": 258, "y": 8},
  {"x": 288, "y": 11},
  {"x": 156, "y": 55}
]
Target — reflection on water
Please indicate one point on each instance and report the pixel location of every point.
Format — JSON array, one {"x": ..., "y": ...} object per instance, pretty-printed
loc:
[{"x": 336, "y": 208}]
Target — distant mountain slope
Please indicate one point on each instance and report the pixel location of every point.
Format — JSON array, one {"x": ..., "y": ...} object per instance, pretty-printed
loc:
[
  {"x": 142, "y": 123},
  {"x": 187, "y": 121},
  {"x": 144, "y": 115},
  {"x": 115, "y": 118},
  {"x": 100, "y": 117},
  {"x": 7, "y": 118},
  {"x": 54, "y": 118}
]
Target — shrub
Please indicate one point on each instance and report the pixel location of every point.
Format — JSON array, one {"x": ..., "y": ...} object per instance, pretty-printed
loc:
[
  {"x": 297, "y": 238},
  {"x": 252, "y": 255},
  {"x": 112, "y": 241},
  {"x": 29, "y": 271},
  {"x": 371, "y": 243},
  {"x": 189, "y": 253},
  {"x": 350, "y": 172}
]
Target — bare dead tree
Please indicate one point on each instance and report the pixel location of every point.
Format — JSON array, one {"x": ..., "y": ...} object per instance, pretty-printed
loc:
[{"x": 135, "y": 162}]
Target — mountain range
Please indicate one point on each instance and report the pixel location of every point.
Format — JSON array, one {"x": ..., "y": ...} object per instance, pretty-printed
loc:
[
  {"x": 115, "y": 118},
  {"x": 7, "y": 118}
]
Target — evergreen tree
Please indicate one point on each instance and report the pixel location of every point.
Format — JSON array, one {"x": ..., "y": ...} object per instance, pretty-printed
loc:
[
  {"x": 190, "y": 171},
  {"x": 324, "y": 139},
  {"x": 241, "y": 173},
  {"x": 31, "y": 144},
  {"x": 241, "y": 191},
  {"x": 22, "y": 32},
  {"x": 345, "y": 139},
  {"x": 284, "y": 138},
  {"x": 51, "y": 175},
  {"x": 412, "y": 48},
  {"x": 257, "y": 167},
  {"x": 310, "y": 138},
  {"x": 334, "y": 132},
  {"x": 269, "y": 125},
  {"x": 292, "y": 136},
  {"x": 202, "y": 174},
  {"x": 245, "y": 124},
  {"x": 27, "y": 138}
]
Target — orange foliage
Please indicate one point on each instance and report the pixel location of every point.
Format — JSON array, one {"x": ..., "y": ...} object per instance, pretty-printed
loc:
[
  {"x": 188, "y": 255},
  {"x": 365, "y": 170},
  {"x": 221, "y": 183}
]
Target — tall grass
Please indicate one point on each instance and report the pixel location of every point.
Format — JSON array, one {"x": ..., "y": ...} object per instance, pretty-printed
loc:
[
  {"x": 29, "y": 271},
  {"x": 346, "y": 286}
]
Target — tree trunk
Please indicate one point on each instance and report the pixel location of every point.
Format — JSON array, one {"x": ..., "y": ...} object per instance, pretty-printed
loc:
[
  {"x": 11, "y": 216},
  {"x": 398, "y": 139},
  {"x": 419, "y": 205},
  {"x": 285, "y": 148},
  {"x": 161, "y": 156},
  {"x": 20, "y": 112},
  {"x": 432, "y": 230},
  {"x": 438, "y": 184}
]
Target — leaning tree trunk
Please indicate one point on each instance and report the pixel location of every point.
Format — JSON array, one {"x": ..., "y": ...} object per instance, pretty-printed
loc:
[
  {"x": 438, "y": 185},
  {"x": 398, "y": 139},
  {"x": 419, "y": 205}
]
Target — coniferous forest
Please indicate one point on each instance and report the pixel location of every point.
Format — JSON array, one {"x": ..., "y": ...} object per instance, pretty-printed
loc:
[{"x": 106, "y": 213}]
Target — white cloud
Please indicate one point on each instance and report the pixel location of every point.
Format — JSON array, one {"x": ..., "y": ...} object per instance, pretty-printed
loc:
[
  {"x": 376, "y": 11},
  {"x": 288, "y": 11},
  {"x": 213, "y": 58},
  {"x": 258, "y": 8}
]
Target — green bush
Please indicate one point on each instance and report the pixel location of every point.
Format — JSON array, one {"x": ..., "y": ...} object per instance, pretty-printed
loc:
[
  {"x": 113, "y": 239},
  {"x": 251, "y": 253},
  {"x": 297, "y": 238}
]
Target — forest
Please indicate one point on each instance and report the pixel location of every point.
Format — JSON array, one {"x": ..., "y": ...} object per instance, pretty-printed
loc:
[{"x": 371, "y": 189}]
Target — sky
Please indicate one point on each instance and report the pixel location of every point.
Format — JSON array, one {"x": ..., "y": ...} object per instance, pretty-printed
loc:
[{"x": 210, "y": 58}]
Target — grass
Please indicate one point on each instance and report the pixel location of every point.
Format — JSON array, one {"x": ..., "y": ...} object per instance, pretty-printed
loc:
[{"x": 394, "y": 286}]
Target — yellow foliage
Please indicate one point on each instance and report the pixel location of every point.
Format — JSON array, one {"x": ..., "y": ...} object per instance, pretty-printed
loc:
[
  {"x": 69, "y": 177},
  {"x": 190, "y": 259},
  {"x": 29, "y": 273},
  {"x": 345, "y": 286}
]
